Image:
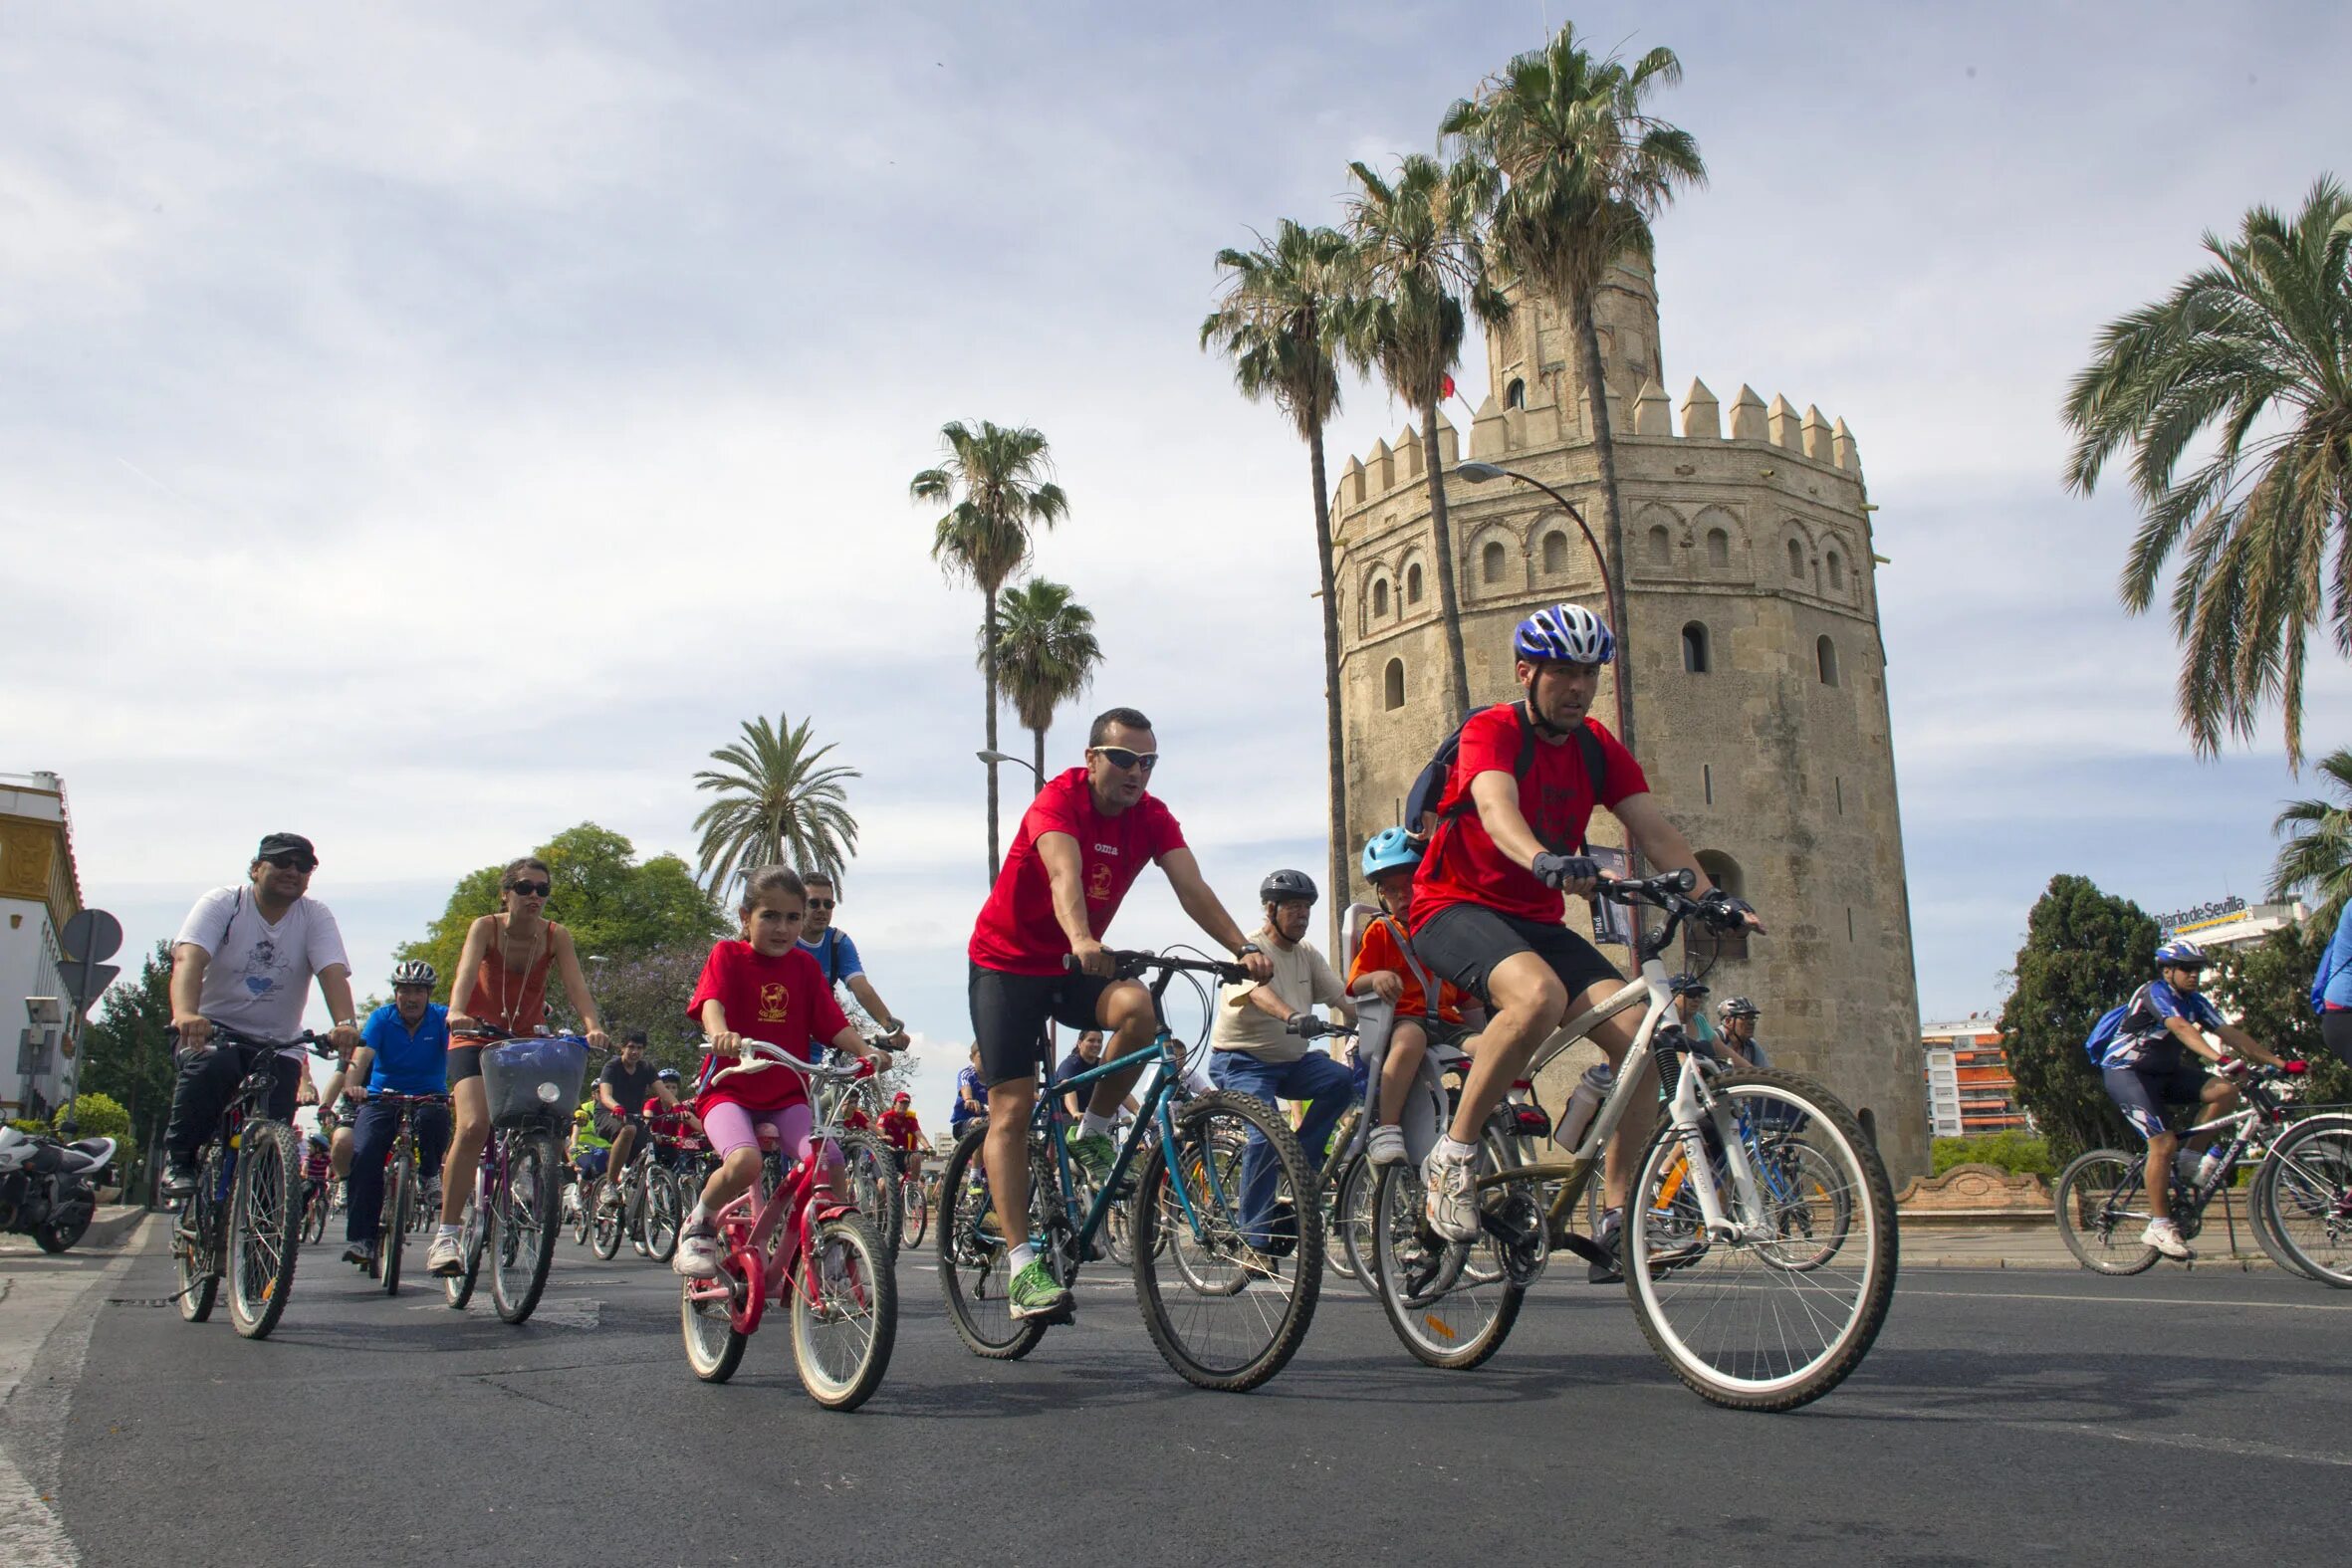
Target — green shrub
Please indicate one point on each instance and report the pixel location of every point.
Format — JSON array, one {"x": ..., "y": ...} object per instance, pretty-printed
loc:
[
  {"x": 2019, "y": 1152},
  {"x": 99, "y": 1116},
  {"x": 25, "y": 1124}
]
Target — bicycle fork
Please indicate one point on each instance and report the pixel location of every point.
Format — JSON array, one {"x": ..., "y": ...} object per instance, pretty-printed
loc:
[{"x": 1692, "y": 1111}]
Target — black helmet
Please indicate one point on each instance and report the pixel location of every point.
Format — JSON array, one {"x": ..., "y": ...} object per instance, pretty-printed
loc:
[
  {"x": 1739, "y": 1007},
  {"x": 1281, "y": 887},
  {"x": 1688, "y": 985}
]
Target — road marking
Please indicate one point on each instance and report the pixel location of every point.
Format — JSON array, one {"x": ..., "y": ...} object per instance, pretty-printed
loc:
[
  {"x": 2231, "y": 1445},
  {"x": 2031, "y": 1296}
]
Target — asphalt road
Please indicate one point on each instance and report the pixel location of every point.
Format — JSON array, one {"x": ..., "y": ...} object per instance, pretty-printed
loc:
[{"x": 2011, "y": 1416}]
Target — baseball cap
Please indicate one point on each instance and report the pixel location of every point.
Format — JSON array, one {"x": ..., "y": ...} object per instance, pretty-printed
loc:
[
  {"x": 901, "y": 1098},
  {"x": 286, "y": 844}
]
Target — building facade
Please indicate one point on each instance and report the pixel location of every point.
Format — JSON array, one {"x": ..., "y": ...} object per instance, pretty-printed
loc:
[
  {"x": 1970, "y": 1092},
  {"x": 1757, "y": 678},
  {"x": 40, "y": 890}
]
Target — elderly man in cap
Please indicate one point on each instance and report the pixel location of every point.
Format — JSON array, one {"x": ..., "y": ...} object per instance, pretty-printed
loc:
[{"x": 245, "y": 958}]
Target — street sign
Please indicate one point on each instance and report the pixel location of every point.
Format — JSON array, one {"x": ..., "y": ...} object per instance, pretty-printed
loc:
[
  {"x": 86, "y": 983},
  {"x": 91, "y": 935}
]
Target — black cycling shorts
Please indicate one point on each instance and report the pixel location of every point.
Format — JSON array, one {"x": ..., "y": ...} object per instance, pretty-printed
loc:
[
  {"x": 2335, "y": 1028},
  {"x": 465, "y": 1062},
  {"x": 1464, "y": 943},
  {"x": 2144, "y": 1088},
  {"x": 1010, "y": 1011},
  {"x": 608, "y": 1126}
]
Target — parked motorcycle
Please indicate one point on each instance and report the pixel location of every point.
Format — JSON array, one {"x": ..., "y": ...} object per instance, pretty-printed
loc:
[{"x": 48, "y": 1189}]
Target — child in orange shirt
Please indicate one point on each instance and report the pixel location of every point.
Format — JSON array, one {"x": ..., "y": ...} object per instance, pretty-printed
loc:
[{"x": 1386, "y": 963}]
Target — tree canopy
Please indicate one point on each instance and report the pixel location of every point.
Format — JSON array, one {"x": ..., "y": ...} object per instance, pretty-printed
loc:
[
  {"x": 2085, "y": 950},
  {"x": 126, "y": 1051},
  {"x": 615, "y": 907}
]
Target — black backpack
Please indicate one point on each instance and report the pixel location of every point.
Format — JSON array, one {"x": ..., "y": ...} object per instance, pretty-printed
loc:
[{"x": 1421, "y": 801}]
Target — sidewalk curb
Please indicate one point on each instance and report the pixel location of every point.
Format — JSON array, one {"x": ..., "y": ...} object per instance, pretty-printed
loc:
[{"x": 109, "y": 1228}]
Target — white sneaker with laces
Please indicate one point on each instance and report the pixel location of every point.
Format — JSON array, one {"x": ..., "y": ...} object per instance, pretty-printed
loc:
[
  {"x": 2165, "y": 1237},
  {"x": 1452, "y": 1201},
  {"x": 1386, "y": 1145},
  {"x": 441, "y": 1259},
  {"x": 698, "y": 1253}
]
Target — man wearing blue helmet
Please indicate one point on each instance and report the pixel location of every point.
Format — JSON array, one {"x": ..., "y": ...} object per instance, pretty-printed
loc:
[
  {"x": 2157, "y": 1059},
  {"x": 1489, "y": 898}
]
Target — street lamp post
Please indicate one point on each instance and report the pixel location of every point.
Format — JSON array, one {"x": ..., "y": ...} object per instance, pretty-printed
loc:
[
  {"x": 1479, "y": 474},
  {"x": 1008, "y": 756}
]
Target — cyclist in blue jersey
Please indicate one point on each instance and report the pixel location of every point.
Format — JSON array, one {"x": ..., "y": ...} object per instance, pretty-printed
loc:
[
  {"x": 971, "y": 1097},
  {"x": 837, "y": 956},
  {"x": 2157, "y": 1060},
  {"x": 404, "y": 1049}
]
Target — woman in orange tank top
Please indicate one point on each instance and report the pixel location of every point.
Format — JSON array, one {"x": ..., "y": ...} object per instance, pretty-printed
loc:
[{"x": 500, "y": 982}]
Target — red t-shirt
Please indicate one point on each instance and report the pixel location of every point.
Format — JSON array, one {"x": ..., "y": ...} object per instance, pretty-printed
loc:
[
  {"x": 1017, "y": 931},
  {"x": 669, "y": 1122},
  {"x": 901, "y": 1130},
  {"x": 857, "y": 1120},
  {"x": 1463, "y": 866},
  {"x": 783, "y": 1001}
]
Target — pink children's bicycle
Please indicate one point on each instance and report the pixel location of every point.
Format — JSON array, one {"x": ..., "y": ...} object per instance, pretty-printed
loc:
[{"x": 801, "y": 1239}]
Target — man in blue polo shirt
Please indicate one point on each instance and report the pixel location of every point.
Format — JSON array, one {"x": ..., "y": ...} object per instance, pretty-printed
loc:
[
  {"x": 404, "y": 1049},
  {"x": 837, "y": 956}
]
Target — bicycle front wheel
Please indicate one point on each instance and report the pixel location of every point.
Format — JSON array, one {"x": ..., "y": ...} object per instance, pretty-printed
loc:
[
  {"x": 873, "y": 1184},
  {"x": 1230, "y": 1296},
  {"x": 522, "y": 1240},
  {"x": 399, "y": 1201},
  {"x": 664, "y": 1213},
  {"x": 2103, "y": 1210},
  {"x": 264, "y": 1225},
  {"x": 611, "y": 1219},
  {"x": 841, "y": 1339},
  {"x": 314, "y": 1212},
  {"x": 914, "y": 1213},
  {"x": 2305, "y": 1189},
  {"x": 973, "y": 1274},
  {"x": 1780, "y": 1310}
]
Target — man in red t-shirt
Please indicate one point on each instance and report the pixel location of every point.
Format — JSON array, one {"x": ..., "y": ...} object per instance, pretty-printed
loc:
[
  {"x": 904, "y": 1134},
  {"x": 1082, "y": 842},
  {"x": 1489, "y": 897}
]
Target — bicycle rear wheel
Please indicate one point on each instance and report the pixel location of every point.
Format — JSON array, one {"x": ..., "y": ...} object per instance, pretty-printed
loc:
[
  {"x": 714, "y": 1345},
  {"x": 2102, "y": 1211},
  {"x": 523, "y": 1223},
  {"x": 1352, "y": 1210},
  {"x": 1452, "y": 1303},
  {"x": 264, "y": 1225},
  {"x": 664, "y": 1213},
  {"x": 313, "y": 1212},
  {"x": 873, "y": 1185},
  {"x": 2305, "y": 1189},
  {"x": 973, "y": 1274},
  {"x": 914, "y": 1213},
  {"x": 1779, "y": 1313},
  {"x": 841, "y": 1341},
  {"x": 1226, "y": 1304},
  {"x": 398, "y": 1201},
  {"x": 196, "y": 1241}
]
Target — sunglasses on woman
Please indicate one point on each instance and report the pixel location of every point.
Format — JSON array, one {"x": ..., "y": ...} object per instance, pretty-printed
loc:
[
  {"x": 1120, "y": 758},
  {"x": 531, "y": 889}
]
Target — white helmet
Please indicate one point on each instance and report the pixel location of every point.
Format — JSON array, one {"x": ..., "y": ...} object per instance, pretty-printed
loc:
[{"x": 415, "y": 971}]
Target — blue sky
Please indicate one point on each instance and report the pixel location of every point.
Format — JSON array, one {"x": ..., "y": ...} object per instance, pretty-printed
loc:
[{"x": 430, "y": 427}]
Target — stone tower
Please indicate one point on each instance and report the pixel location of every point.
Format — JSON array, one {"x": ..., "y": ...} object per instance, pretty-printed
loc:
[{"x": 1758, "y": 674}]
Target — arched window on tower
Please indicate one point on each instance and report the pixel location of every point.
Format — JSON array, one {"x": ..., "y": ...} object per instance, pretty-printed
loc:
[
  {"x": 1492, "y": 562},
  {"x": 1555, "y": 553},
  {"x": 1837, "y": 572},
  {"x": 1515, "y": 395},
  {"x": 1719, "y": 547},
  {"x": 1413, "y": 583},
  {"x": 1693, "y": 648},
  {"x": 1661, "y": 546},
  {"x": 1380, "y": 598},
  {"x": 1825, "y": 659},
  {"x": 1700, "y": 948},
  {"x": 1392, "y": 685},
  {"x": 1797, "y": 562}
]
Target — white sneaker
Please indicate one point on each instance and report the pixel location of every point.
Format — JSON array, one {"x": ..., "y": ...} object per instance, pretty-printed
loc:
[
  {"x": 441, "y": 1257},
  {"x": 698, "y": 1253},
  {"x": 1386, "y": 1145},
  {"x": 1452, "y": 1203},
  {"x": 2165, "y": 1237}
]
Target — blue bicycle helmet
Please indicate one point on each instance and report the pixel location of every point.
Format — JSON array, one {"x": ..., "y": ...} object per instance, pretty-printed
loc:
[
  {"x": 1390, "y": 849},
  {"x": 2177, "y": 954},
  {"x": 1566, "y": 631}
]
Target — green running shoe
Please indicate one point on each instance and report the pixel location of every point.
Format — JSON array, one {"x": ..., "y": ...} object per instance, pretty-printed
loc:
[
  {"x": 1035, "y": 1294},
  {"x": 1094, "y": 1156}
]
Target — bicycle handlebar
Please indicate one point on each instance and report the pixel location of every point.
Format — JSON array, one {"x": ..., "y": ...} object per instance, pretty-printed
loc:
[
  {"x": 311, "y": 1040},
  {"x": 1308, "y": 1026},
  {"x": 759, "y": 1056},
  {"x": 1129, "y": 964}
]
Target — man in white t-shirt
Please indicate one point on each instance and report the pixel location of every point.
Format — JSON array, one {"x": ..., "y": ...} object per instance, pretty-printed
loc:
[
  {"x": 1252, "y": 1052},
  {"x": 245, "y": 959}
]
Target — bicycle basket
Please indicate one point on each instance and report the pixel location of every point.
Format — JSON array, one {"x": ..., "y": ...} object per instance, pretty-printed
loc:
[{"x": 533, "y": 1081}]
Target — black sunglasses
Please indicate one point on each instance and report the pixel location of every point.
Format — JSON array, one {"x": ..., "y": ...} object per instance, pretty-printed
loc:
[
  {"x": 290, "y": 862},
  {"x": 532, "y": 889},
  {"x": 820, "y": 903},
  {"x": 1120, "y": 758}
]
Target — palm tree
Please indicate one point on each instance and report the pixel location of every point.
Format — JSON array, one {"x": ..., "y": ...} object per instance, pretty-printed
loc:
[
  {"x": 1418, "y": 261},
  {"x": 996, "y": 492},
  {"x": 1279, "y": 321},
  {"x": 1045, "y": 654},
  {"x": 2251, "y": 358},
  {"x": 775, "y": 805},
  {"x": 2318, "y": 854},
  {"x": 1582, "y": 171}
]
